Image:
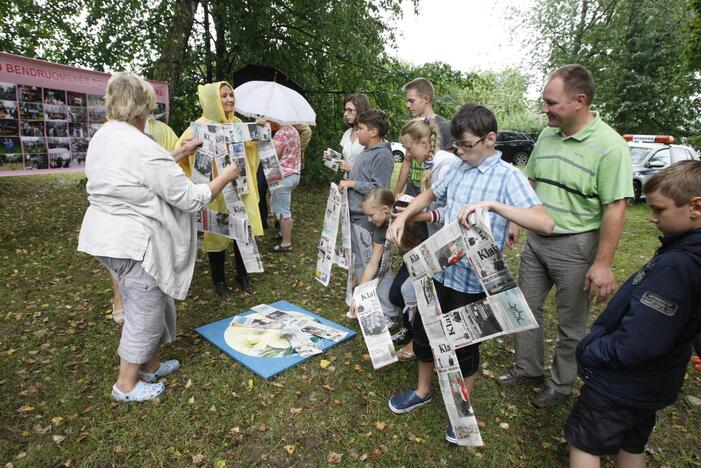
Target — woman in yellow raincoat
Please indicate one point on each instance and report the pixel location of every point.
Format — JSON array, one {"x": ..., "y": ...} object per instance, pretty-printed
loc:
[{"x": 218, "y": 103}]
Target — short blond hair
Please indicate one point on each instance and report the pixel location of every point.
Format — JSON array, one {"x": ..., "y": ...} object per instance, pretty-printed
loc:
[
  {"x": 129, "y": 97},
  {"x": 422, "y": 86},
  {"x": 681, "y": 182}
]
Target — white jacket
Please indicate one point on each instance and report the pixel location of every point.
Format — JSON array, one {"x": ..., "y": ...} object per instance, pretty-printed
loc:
[{"x": 142, "y": 206}]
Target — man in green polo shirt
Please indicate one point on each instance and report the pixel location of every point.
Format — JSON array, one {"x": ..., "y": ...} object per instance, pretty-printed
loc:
[{"x": 581, "y": 170}]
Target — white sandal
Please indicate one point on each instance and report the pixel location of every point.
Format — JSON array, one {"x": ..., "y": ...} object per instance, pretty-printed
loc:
[
  {"x": 141, "y": 392},
  {"x": 165, "y": 368}
]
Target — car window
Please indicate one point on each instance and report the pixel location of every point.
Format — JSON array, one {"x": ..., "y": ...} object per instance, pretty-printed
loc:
[
  {"x": 662, "y": 156},
  {"x": 637, "y": 154},
  {"x": 679, "y": 154}
]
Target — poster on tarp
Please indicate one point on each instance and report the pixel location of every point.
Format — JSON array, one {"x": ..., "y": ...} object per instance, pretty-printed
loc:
[
  {"x": 270, "y": 338},
  {"x": 49, "y": 112}
]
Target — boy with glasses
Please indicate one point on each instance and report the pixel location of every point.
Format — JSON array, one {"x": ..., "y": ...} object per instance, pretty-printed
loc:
[{"x": 482, "y": 180}]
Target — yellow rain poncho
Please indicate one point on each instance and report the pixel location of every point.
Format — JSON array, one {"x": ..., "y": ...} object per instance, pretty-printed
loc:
[
  {"x": 213, "y": 112},
  {"x": 162, "y": 134}
]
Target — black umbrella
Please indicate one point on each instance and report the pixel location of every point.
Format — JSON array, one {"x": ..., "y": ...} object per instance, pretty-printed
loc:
[{"x": 261, "y": 73}]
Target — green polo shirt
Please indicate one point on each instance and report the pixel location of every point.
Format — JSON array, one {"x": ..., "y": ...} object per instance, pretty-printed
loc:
[{"x": 577, "y": 175}]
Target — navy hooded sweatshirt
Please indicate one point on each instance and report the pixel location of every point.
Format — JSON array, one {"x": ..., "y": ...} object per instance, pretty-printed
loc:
[{"x": 638, "y": 349}]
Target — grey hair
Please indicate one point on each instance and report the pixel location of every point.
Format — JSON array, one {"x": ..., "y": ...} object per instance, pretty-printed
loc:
[{"x": 129, "y": 97}]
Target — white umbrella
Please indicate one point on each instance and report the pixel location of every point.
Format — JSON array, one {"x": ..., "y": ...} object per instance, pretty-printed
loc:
[{"x": 272, "y": 101}]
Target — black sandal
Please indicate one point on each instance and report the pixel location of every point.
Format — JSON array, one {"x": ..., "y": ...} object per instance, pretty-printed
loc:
[{"x": 282, "y": 248}]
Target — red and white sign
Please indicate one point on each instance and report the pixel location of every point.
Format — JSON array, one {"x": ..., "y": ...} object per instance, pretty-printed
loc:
[{"x": 48, "y": 112}]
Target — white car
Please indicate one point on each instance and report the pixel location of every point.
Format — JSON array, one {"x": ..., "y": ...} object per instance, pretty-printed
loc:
[
  {"x": 398, "y": 152},
  {"x": 650, "y": 153}
]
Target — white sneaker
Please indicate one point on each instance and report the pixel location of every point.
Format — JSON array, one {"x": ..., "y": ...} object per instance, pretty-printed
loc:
[{"x": 141, "y": 392}]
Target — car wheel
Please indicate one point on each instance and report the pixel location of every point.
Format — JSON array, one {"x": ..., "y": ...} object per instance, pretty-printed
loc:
[
  {"x": 397, "y": 156},
  {"x": 520, "y": 158},
  {"x": 637, "y": 191}
]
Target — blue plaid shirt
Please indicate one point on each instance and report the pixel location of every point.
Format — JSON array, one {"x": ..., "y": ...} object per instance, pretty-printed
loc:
[{"x": 461, "y": 184}]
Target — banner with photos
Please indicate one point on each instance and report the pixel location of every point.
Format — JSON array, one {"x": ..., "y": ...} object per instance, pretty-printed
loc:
[{"x": 49, "y": 112}]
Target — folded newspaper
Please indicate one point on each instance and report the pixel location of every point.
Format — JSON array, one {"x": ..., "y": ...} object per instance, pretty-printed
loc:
[
  {"x": 373, "y": 324},
  {"x": 329, "y": 252},
  {"x": 503, "y": 311},
  {"x": 334, "y": 161}
]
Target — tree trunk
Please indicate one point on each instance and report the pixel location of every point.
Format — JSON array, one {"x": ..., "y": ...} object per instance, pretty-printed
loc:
[{"x": 173, "y": 52}]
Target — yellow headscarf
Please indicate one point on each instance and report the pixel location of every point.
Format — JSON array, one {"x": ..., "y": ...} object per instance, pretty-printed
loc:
[{"x": 213, "y": 112}]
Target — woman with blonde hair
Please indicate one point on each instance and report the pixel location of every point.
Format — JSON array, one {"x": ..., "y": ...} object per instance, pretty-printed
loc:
[
  {"x": 218, "y": 103},
  {"x": 140, "y": 224}
]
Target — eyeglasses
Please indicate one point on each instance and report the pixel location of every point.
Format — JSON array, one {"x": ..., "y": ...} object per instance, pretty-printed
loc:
[
  {"x": 348, "y": 111},
  {"x": 466, "y": 146}
]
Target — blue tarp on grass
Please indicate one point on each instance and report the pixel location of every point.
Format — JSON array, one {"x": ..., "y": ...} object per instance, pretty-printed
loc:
[{"x": 264, "y": 351}]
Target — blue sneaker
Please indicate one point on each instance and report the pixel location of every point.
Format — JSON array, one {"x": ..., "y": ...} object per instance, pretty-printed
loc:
[
  {"x": 450, "y": 435},
  {"x": 407, "y": 401}
]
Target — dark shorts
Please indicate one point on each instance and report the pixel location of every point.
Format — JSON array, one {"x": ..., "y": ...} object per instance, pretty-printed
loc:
[
  {"x": 449, "y": 299},
  {"x": 599, "y": 426}
]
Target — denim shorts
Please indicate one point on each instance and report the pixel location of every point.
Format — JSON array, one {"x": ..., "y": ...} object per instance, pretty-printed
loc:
[{"x": 281, "y": 198}]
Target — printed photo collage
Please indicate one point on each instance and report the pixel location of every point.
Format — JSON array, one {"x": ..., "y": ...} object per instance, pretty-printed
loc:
[{"x": 44, "y": 128}]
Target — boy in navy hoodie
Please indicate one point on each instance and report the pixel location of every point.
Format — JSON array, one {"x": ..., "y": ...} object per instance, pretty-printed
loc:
[{"x": 634, "y": 360}]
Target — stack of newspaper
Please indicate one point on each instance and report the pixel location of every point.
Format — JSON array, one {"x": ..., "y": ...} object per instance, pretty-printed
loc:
[{"x": 296, "y": 328}]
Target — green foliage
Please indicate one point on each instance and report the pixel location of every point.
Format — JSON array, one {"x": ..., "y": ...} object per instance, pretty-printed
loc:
[
  {"x": 504, "y": 93},
  {"x": 645, "y": 80}
]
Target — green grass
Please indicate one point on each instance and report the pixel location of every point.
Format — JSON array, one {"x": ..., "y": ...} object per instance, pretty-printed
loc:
[{"x": 58, "y": 362}]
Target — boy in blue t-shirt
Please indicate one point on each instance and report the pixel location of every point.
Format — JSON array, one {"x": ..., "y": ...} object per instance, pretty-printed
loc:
[
  {"x": 634, "y": 359},
  {"x": 482, "y": 180}
]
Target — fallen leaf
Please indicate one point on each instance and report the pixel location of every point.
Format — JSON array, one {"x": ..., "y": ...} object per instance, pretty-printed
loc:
[
  {"x": 250, "y": 385},
  {"x": 324, "y": 364},
  {"x": 25, "y": 409},
  {"x": 295, "y": 410},
  {"x": 189, "y": 383},
  {"x": 279, "y": 385},
  {"x": 381, "y": 425},
  {"x": 365, "y": 357},
  {"x": 328, "y": 387},
  {"x": 504, "y": 425},
  {"x": 191, "y": 400},
  {"x": 198, "y": 459},
  {"x": 289, "y": 449},
  {"x": 58, "y": 439},
  {"x": 263, "y": 427},
  {"x": 334, "y": 458},
  {"x": 56, "y": 420}
]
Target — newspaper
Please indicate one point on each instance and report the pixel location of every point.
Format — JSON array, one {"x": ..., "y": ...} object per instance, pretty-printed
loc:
[
  {"x": 329, "y": 252},
  {"x": 223, "y": 144},
  {"x": 503, "y": 311},
  {"x": 285, "y": 320},
  {"x": 334, "y": 161},
  {"x": 271, "y": 165},
  {"x": 373, "y": 325}
]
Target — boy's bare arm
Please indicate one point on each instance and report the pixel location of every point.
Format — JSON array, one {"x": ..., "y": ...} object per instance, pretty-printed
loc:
[{"x": 534, "y": 218}]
